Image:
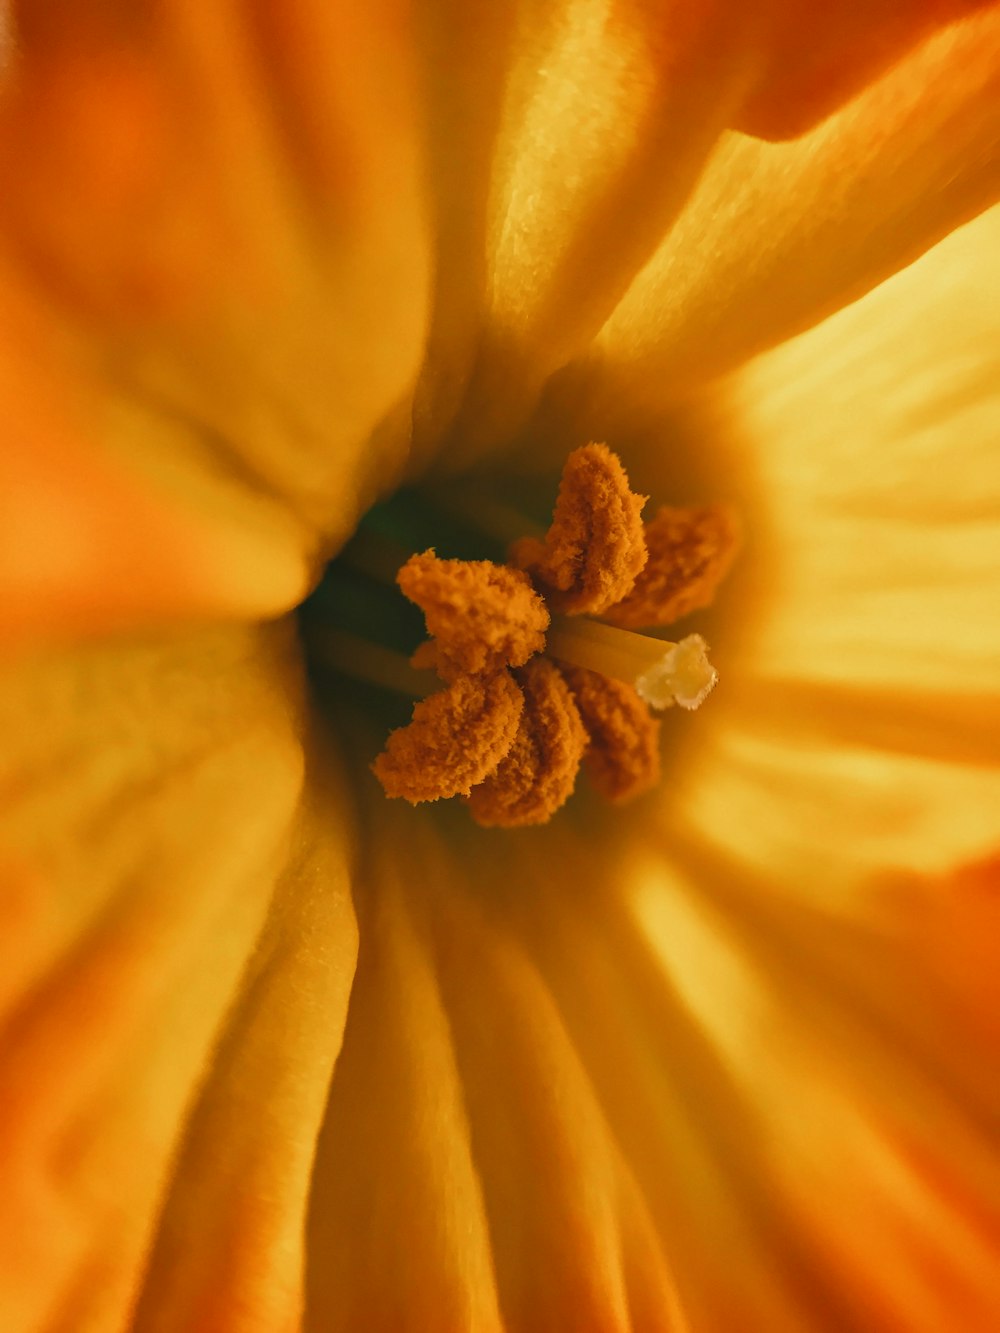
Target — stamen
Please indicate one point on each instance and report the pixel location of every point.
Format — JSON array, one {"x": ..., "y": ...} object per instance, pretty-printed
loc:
[
  {"x": 482, "y": 616},
  {"x": 527, "y": 697},
  {"x": 478, "y": 509},
  {"x": 595, "y": 547},
  {"x": 690, "y": 552},
  {"x": 539, "y": 772},
  {"x": 662, "y": 673},
  {"x": 350, "y": 655},
  {"x": 622, "y": 758},
  {"x": 457, "y": 738}
]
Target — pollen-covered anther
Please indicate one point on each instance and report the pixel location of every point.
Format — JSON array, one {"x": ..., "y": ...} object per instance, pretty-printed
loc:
[
  {"x": 538, "y": 774},
  {"x": 690, "y": 551},
  {"x": 482, "y": 616},
  {"x": 622, "y": 758},
  {"x": 594, "y": 547},
  {"x": 457, "y": 737}
]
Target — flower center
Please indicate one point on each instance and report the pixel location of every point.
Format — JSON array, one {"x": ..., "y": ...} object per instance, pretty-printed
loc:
[{"x": 519, "y": 643}]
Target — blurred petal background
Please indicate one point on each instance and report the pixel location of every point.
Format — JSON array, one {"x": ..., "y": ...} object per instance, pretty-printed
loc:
[{"x": 276, "y": 1054}]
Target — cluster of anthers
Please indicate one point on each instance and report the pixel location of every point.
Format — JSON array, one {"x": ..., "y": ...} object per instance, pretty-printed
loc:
[{"x": 542, "y": 668}]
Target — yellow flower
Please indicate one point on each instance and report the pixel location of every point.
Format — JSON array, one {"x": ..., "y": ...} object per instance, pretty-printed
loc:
[{"x": 280, "y": 1054}]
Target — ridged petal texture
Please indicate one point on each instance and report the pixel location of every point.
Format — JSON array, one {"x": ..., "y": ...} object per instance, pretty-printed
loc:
[
  {"x": 179, "y": 945},
  {"x": 875, "y": 633},
  {"x": 687, "y": 1105},
  {"x": 279, "y": 286},
  {"x": 278, "y": 1056},
  {"x": 209, "y": 336}
]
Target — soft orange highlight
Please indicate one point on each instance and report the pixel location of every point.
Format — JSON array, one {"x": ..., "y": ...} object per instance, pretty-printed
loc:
[
  {"x": 690, "y": 552},
  {"x": 482, "y": 616},
  {"x": 422, "y": 762},
  {"x": 538, "y": 774},
  {"x": 622, "y": 758},
  {"x": 594, "y": 548}
]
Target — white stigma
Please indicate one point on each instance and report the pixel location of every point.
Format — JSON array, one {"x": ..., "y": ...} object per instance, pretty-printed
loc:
[{"x": 683, "y": 675}]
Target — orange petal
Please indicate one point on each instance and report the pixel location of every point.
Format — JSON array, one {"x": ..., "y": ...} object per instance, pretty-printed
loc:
[
  {"x": 235, "y": 300},
  {"x": 832, "y": 1070},
  {"x": 597, "y": 124},
  {"x": 573, "y": 139},
  {"x": 588, "y": 1066},
  {"x": 163, "y": 1077},
  {"x": 594, "y": 548},
  {"x": 865, "y": 689},
  {"x": 87, "y": 544},
  {"x": 460, "y": 1097},
  {"x": 398, "y": 1228},
  {"x": 815, "y": 59},
  {"x": 778, "y": 236},
  {"x": 457, "y": 737},
  {"x": 538, "y": 774},
  {"x": 231, "y": 1236},
  {"x": 482, "y": 616}
]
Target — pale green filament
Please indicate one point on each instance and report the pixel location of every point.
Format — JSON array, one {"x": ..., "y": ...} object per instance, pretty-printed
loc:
[{"x": 350, "y": 655}]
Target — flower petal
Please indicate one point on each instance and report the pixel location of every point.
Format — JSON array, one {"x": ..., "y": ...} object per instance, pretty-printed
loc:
[
  {"x": 87, "y": 544},
  {"x": 778, "y": 236},
  {"x": 619, "y": 103},
  {"x": 867, "y": 663},
  {"x": 230, "y": 1247},
  {"x": 863, "y": 1113},
  {"x": 469, "y": 1180},
  {"x": 157, "y": 982},
  {"x": 593, "y": 1066},
  {"x": 236, "y": 297},
  {"x": 819, "y": 57},
  {"x": 398, "y": 1230},
  {"x": 622, "y": 105}
]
